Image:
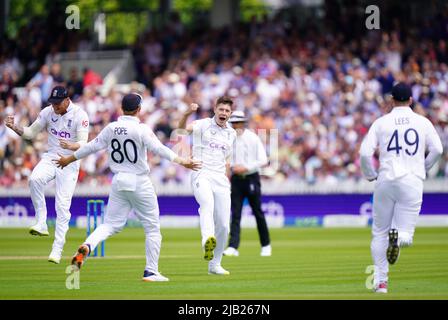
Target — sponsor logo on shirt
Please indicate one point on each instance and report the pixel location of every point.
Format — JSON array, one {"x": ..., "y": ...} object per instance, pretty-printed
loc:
[
  {"x": 54, "y": 120},
  {"x": 85, "y": 123},
  {"x": 215, "y": 145},
  {"x": 61, "y": 134}
]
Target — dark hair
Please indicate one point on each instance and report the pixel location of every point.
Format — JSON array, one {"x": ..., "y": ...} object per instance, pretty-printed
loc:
[{"x": 225, "y": 100}]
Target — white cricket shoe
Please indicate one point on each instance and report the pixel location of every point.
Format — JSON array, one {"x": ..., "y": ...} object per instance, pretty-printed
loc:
[
  {"x": 55, "y": 256},
  {"x": 39, "y": 230},
  {"x": 218, "y": 270},
  {"x": 380, "y": 288},
  {"x": 153, "y": 277},
  {"x": 266, "y": 251},
  {"x": 230, "y": 251}
]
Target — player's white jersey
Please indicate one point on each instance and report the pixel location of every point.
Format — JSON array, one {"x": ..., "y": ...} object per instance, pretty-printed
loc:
[
  {"x": 212, "y": 144},
  {"x": 403, "y": 137},
  {"x": 127, "y": 141},
  {"x": 66, "y": 126}
]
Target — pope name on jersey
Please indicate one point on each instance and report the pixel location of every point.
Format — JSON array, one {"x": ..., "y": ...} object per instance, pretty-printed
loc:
[{"x": 127, "y": 141}]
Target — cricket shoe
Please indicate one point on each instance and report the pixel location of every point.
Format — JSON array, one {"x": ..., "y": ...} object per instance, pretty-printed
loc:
[
  {"x": 39, "y": 230},
  {"x": 380, "y": 288},
  {"x": 81, "y": 255},
  {"x": 218, "y": 270},
  {"x": 266, "y": 251},
  {"x": 55, "y": 256},
  {"x": 149, "y": 276},
  {"x": 209, "y": 247},
  {"x": 231, "y": 252},
  {"x": 393, "y": 251}
]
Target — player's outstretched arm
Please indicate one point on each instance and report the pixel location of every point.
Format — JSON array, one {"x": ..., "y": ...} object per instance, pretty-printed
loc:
[
  {"x": 62, "y": 162},
  {"x": 97, "y": 144},
  {"x": 82, "y": 133},
  {"x": 25, "y": 132},
  {"x": 194, "y": 165},
  {"x": 9, "y": 122},
  {"x": 69, "y": 145},
  {"x": 183, "y": 121}
]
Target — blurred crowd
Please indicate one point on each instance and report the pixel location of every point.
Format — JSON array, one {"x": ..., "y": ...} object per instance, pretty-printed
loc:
[{"x": 317, "y": 91}]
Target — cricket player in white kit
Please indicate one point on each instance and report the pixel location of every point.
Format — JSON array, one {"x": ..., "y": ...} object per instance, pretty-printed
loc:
[
  {"x": 213, "y": 144},
  {"x": 127, "y": 142},
  {"x": 402, "y": 137},
  {"x": 67, "y": 125}
]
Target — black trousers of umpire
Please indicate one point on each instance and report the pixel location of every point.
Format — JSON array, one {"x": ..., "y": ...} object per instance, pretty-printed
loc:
[{"x": 242, "y": 187}]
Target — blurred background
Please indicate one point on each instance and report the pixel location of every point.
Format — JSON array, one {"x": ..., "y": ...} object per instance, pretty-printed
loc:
[{"x": 309, "y": 69}]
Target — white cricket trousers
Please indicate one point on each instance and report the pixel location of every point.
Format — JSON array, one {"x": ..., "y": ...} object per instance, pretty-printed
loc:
[
  {"x": 144, "y": 202},
  {"x": 212, "y": 192},
  {"x": 396, "y": 204},
  {"x": 66, "y": 179}
]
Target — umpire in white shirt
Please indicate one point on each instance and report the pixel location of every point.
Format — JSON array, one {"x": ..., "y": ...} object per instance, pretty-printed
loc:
[{"x": 248, "y": 159}]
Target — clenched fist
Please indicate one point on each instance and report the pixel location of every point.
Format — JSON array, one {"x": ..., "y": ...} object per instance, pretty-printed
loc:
[
  {"x": 9, "y": 122},
  {"x": 192, "y": 109}
]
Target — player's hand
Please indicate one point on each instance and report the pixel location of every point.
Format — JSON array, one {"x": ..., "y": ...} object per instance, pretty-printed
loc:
[
  {"x": 239, "y": 169},
  {"x": 62, "y": 162},
  {"x": 9, "y": 122},
  {"x": 68, "y": 145},
  {"x": 192, "y": 108},
  {"x": 194, "y": 165}
]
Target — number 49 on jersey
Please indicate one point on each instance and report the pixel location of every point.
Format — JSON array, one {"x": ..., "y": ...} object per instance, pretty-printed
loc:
[{"x": 410, "y": 141}]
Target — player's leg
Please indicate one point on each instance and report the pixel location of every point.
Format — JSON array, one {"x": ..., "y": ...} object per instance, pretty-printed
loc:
[
  {"x": 146, "y": 207},
  {"x": 115, "y": 216},
  {"x": 66, "y": 180},
  {"x": 407, "y": 209},
  {"x": 221, "y": 194},
  {"x": 43, "y": 173},
  {"x": 383, "y": 208},
  {"x": 202, "y": 190},
  {"x": 238, "y": 193},
  {"x": 254, "y": 197}
]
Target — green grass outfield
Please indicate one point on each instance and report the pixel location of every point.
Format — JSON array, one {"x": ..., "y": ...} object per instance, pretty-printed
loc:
[{"x": 306, "y": 264}]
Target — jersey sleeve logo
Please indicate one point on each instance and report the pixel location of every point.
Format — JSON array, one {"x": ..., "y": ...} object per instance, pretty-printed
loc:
[{"x": 85, "y": 123}]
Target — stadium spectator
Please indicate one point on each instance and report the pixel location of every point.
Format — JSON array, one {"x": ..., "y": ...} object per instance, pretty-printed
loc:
[
  {"x": 320, "y": 90},
  {"x": 91, "y": 78},
  {"x": 56, "y": 73},
  {"x": 74, "y": 84},
  {"x": 43, "y": 80}
]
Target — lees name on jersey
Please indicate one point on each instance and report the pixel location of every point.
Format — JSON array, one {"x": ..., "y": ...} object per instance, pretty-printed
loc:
[
  {"x": 401, "y": 121},
  {"x": 403, "y": 137}
]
